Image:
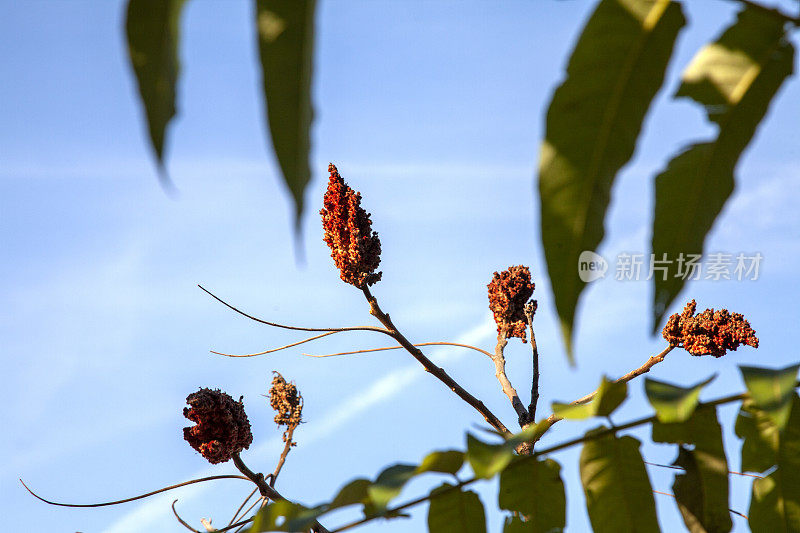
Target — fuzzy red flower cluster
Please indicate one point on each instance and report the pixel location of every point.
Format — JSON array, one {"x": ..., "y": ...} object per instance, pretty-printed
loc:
[
  {"x": 222, "y": 426},
  {"x": 509, "y": 291},
  {"x": 355, "y": 248},
  {"x": 710, "y": 332}
]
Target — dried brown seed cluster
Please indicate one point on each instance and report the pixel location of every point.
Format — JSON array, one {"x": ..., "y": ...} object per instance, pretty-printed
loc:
[
  {"x": 222, "y": 427},
  {"x": 509, "y": 291},
  {"x": 355, "y": 248},
  {"x": 709, "y": 333},
  {"x": 287, "y": 402}
]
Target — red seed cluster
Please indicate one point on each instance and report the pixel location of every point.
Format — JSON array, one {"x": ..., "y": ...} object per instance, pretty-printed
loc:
[
  {"x": 709, "y": 333},
  {"x": 222, "y": 427},
  {"x": 287, "y": 402},
  {"x": 509, "y": 291},
  {"x": 355, "y": 248}
]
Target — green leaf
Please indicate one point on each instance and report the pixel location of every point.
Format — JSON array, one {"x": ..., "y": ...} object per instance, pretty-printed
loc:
[
  {"x": 455, "y": 511},
  {"x": 388, "y": 485},
  {"x": 735, "y": 78},
  {"x": 152, "y": 31},
  {"x": 593, "y": 122},
  {"x": 514, "y": 524},
  {"x": 352, "y": 493},
  {"x": 618, "y": 492},
  {"x": 671, "y": 402},
  {"x": 609, "y": 396},
  {"x": 284, "y": 515},
  {"x": 486, "y": 459},
  {"x": 446, "y": 462},
  {"x": 772, "y": 390},
  {"x": 761, "y": 438},
  {"x": 286, "y": 44},
  {"x": 534, "y": 489},
  {"x": 702, "y": 491},
  {"x": 775, "y": 502}
]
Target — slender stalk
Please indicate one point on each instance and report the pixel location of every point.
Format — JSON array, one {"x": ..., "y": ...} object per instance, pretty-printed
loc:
[
  {"x": 499, "y": 361},
  {"x": 239, "y": 510},
  {"x": 284, "y": 326},
  {"x": 434, "y": 370},
  {"x": 134, "y": 498},
  {"x": 181, "y": 520},
  {"x": 530, "y": 309},
  {"x": 286, "y": 449},
  {"x": 398, "y": 347},
  {"x": 273, "y": 350}
]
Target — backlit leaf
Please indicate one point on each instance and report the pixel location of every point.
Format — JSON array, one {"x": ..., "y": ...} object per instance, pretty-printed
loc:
[
  {"x": 735, "y": 78},
  {"x": 593, "y": 122},
  {"x": 609, "y": 396},
  {"x": 772, "y": 390},
  {"x": 286, "y": 44},
  {"x": 455, "y": 511},
  {"x": 486, "y": 459},
  {"x": 671, "y": 402},
  {"x": 618, "y": 492},
  {"x": 534, "y": 488},
  {"x": 152, "y": 30}
]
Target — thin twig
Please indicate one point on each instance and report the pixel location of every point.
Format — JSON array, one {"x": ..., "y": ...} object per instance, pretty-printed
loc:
[
  {"x": 673, "y": 496},
  {"x": 239, "y": 510},
  {"x": 650, "y": 363},
  {"x": 418, "y": 344},
  {"x": 674, "y": 467},
  {"x": 265, "y": 489},
  {"x": 181, "y": 520},
  {"x": 273, "y": 350},
  {"x": 261, "y": 500},
  {"x": 530, "y": 310},
  {"x": 286, "y": 449},
  {"x": 284, "y": 326},
  {"x": 126, "y": 500},
  {"x": 499, "y": 361},
  {"x": 434, "y": 370}
]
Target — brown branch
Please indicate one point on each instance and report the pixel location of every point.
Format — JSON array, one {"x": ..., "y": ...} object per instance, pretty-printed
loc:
[
  {"x": 181, "y": 520},
  {"x": 530, "y": 309},
  {"x": 434, "y": 370},
  {"x": 287, "y": 437},
  {"x": 265, "y": 489},
  {"x": 499, "y": 361},
  {"x": 261, "y": 500},
  {"x": 284, "y": 326},
  {"x": 418, "y": 344},
  {"x": 126, "y": 500},
  {"x": 273, "y": 350},
  {"x": 673, "y": 467},
  {"x": 650, "y": 363}
]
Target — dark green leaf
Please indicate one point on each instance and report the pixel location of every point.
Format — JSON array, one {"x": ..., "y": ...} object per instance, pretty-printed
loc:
[
  {"x": 735, "y": 78},
  {"x": 455, "y": 511},
  {"x": 534, "y": 489},
  {"x": 775, "y": 503},
  {"x": 446, "y": 462},
  {"x": 388, "y": 485},
  {"x": 286, "y": 44},
  {"x": 772, "y": 390},
  {"x": 284, "y": 515},
  {"x": 593, "y": 122},
  {"x": 485, "y": 459},
  {"x": 618, "y": 492},
  {"x": 152, "y": 30},
  {"x": 761, "y": 438},
  {"x": 609, "y": 396},
  {"x": 671, "y": 402},
  {"x": 702, "y": 491},
  {"x": 352, "y": 493}
]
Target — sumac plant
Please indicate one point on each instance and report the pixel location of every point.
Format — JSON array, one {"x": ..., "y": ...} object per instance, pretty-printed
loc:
[{"x": 619, "y": 496}]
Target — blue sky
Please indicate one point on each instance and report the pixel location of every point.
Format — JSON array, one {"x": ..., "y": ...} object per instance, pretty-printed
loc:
[{"x": 434, "y": 111}]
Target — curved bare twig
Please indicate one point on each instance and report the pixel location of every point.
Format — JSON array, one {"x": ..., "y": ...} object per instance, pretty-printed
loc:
[
  {"x": 315, "y": 337},
  {"x": 400, "y": 347},
  {"x": 126, "y": 500},
  {"x": 295, "y": 328},
  {"x": 181, "y": 520}
]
